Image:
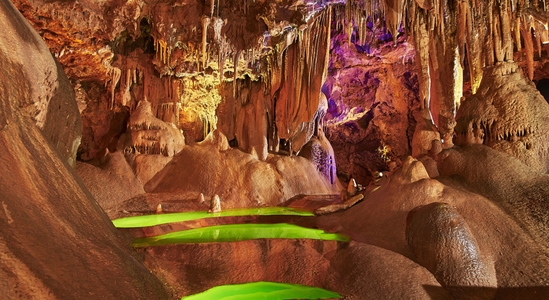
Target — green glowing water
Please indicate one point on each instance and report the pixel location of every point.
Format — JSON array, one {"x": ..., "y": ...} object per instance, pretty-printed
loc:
[
  {"x": 157, "y": 219},
  {"x": 238, "y": 232},
  {"x": 263, "y": 290}
]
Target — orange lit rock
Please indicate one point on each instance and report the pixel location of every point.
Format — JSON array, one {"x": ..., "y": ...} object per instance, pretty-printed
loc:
[
  {"x": 509, "y": 115},
  {"x": 56, "y": 242}
]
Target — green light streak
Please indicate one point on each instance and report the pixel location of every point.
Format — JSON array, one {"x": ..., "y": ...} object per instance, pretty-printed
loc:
[
  {"x": 263, "y": 290},
  {"x": 158, "y": 219},
  {"x": 238, "y": 232}
]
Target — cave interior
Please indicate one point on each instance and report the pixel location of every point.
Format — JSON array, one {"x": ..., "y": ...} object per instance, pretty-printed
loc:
[{"x": 375, "y": 149}]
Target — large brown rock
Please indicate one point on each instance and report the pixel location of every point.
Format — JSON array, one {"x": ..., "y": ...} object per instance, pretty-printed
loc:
[
  {"x": 508, "y": 225},
  {"x": 49, "y": 99},
  {"x": 111, "y": 181},
  {"x": 515, "y": 187},
  {"x": 364, "y": 271},
  {"x": 55, "y": 242},
  {"x": 442, "y": 242}
]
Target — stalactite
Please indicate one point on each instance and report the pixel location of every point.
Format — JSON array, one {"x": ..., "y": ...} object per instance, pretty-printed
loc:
[
  {"x": 217, "y": 26},
  {"x": 463, "y": 11},
  {"x": 297, "y": 76},
  {"x": 235, "y": 73},
  {"x": 516, "y": 31},
  {"x": 528, "y": 45},
  {"x": 221, "y": 64},
  {"x": 538, "y": 42},
  {"x": 489, "y": 38},
  {"x": 126, "y": 97},
  {"x": 420, "y": 33},
  {"x": 474, "y": 48},
  {"x": 497, "y": 39},
  {"x": 506, "y": 30},
  {"x": 393, "y": 15},
  {"x": 116, "y": 73},
  {"x": 542, "y": 29},
  {"x": 205, "y": 24},
  {"x": 162, "y": 50}
]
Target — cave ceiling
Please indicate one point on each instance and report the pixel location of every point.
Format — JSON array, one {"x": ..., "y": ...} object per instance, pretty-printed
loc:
[{"x": 203, "y": 65}]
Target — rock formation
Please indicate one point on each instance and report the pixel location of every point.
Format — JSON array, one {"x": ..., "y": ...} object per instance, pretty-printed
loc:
[
  {"x": 425, "y": 110},
  {"x": 149, "y": 142},
  {"x": 56, "y": 242},
  {"x": 240, "y": 179},
  {"x": 441, "y": 241},
  {"x": 508, "y": 114}
]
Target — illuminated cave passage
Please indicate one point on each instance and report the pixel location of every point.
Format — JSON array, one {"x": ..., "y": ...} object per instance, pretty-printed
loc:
[{"x": 414, "y": 128}]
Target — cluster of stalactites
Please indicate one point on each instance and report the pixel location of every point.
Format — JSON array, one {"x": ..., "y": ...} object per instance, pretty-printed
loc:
[
  {"x": 450, "y": 35},
  {"x": 163, "y": 52},
  {"x": 359, "y": 12},
  {"x": 483, "y": 32},
  {"x": 113, "y": 74},
  {"x": 296, "y": 79},
  {"x": 447, "y": 34},
  {"x": 201, "y": 54},
  {"x": 488, "y": 31}
]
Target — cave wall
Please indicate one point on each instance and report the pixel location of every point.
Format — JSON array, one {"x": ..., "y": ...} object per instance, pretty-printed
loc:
[{"x": 55, "y": 242}]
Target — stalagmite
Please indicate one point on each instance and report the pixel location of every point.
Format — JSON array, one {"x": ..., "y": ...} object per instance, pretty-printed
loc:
[
  {"x": 352, "y": 188},
  {"x": 215, "y": 204}
]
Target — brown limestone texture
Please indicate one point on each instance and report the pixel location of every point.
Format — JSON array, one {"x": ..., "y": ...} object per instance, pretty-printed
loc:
[
  {"x": 50, "y": 100},
  {"x": 110, "y": 181},
  {"x": 251, "y": 75},
  {"x": 519, "y": 190},
  {"x": 363, "y": 271},
  {"x": 351, "y": 270},
  {"x": 442, "y": 242},
  {"x": 56, "y": 242},
  {"x": 425, "y": 134},
  {"x": 180, "y": 56}
]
